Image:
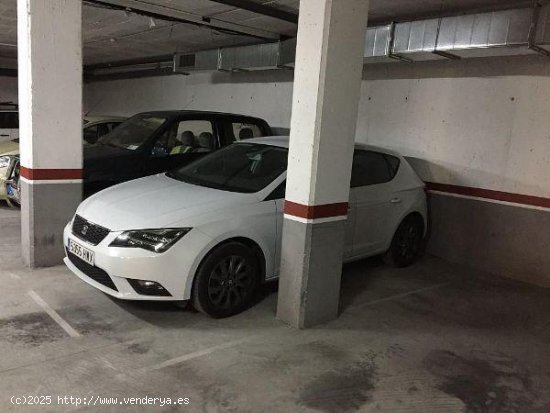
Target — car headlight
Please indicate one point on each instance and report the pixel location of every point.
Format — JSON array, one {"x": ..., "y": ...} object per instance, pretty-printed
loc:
[
  {"x": 156, "y": 240},
  {"x": 4, "y": 161}
]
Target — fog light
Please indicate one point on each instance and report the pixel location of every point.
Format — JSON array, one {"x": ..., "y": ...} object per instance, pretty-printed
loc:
[{"x": 146, "y": 287}]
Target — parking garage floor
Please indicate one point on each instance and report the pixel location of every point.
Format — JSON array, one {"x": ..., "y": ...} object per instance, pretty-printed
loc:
[{"x": 430, "y": 338}]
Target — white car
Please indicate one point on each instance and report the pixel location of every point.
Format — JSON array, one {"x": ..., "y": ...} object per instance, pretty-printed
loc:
[{"x": 210, "y": 232}]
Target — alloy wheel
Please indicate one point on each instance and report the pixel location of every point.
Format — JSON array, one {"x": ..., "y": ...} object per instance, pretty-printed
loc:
[{"x": 231, "y": 282}]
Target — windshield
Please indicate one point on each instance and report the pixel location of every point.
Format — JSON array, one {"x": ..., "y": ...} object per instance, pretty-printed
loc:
[
  {"x": 134, "y": 132},
  {"x": 243, "y": 167}
]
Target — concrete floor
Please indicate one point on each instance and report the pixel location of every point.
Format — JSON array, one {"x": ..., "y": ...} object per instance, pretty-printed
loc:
[{"x": 431, "y": 338}]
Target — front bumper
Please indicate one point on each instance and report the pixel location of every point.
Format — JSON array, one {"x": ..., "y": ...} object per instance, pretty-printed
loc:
[{"x": 172, "y": 269}]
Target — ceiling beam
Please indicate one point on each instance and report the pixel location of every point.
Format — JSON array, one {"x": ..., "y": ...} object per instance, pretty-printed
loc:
[
  {"x": 180, "y": 16},
  {"x": 261, "y": 9}
]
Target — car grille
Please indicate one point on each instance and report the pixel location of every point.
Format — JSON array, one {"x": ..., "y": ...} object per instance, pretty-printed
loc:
[
  {"x": 88, "y": 231},
  {"x": 95, "y": 273}
]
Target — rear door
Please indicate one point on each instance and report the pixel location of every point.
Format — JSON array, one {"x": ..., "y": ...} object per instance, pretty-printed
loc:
[
  {"x": 375, "y": 201},
  {"x": 240, "y": 128},
  {"x": 9, "y": 125},
  {"x": 278, "y": 195}
]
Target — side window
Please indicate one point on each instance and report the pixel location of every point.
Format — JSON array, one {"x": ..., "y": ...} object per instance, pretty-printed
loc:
[
  {"x": 186, "y": 136},
  {"x": 371, "y": 168},
  {"x": 243, "y": 131},
  {"x": 278, "y": 193},
  {"x": 393, "y": 163}
]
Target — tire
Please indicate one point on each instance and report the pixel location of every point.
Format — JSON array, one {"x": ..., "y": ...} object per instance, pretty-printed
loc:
[
  {"x": 12, "y": 204},
  {"x": 226, "y": 281},
  {"x": 407, "y": 242}
]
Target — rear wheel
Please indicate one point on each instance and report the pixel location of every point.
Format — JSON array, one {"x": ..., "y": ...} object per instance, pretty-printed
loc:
[
  {"x": 406, "y": 245},
  {"x": 226, "y": 281}
]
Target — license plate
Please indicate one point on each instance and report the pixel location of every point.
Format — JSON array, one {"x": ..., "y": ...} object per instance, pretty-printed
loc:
[{"x": 83, "y": 253}]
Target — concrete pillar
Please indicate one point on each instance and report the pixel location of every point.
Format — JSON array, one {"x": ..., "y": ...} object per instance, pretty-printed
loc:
[
  {"x": 50, "y": 112},
  {"x": 327, "y": 84}
]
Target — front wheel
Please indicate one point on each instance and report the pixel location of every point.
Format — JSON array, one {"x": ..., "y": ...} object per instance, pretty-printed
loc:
[
  {"x": 226, "y": 281},
  {"x": 406, "y": 245}
]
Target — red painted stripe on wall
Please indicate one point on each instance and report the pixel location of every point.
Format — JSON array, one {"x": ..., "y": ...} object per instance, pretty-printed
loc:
[
  {"x": 316, "y": 211},
  {"x": 50, "y": 174},
  {"x": 490, "y": 194}
]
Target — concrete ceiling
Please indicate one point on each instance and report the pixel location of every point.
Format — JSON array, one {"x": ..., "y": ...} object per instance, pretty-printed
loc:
[{"x": 114, "y": 35}]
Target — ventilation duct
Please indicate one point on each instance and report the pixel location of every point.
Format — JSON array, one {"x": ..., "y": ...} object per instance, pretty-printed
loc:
[
  {"x": 541, "y": 32},
  {"x": 258, "y": 57},
  {"x": 378, "y": 42},
  {"x": 416, "y": 40},
  {"x": 207, "y": 60},
  {"x": 501, "y": 33}
]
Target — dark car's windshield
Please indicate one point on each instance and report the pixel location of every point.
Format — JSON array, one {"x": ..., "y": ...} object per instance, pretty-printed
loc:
[
  {"x": 134, "y": 132},
  {"x": 243, "y": 167}
]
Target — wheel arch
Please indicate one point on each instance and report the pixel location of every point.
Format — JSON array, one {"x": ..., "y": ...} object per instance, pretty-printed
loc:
[{"x": 259, "y": 252}]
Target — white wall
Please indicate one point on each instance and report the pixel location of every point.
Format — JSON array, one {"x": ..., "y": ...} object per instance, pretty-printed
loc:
[
  {"x": 265, "y": 95},
  {"x": 8, "y": 89},
  {"x": 481, "y": 122}
]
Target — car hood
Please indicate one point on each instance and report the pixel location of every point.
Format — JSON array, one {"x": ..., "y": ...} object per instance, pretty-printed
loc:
[
  {"x": 100, "y": 152},
  {"x": 102, "y": 162},
  {"x": 157, "y": 202}
]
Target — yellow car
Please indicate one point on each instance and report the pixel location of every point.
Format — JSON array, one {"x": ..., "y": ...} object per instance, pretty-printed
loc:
[
  {"x": 8, "y": 151},
  {"x": 93, "y": 128}
]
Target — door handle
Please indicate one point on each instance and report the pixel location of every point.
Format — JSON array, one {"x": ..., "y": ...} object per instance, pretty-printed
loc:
[
  {"x": 4, "y": 135},
  {"x": 395, "y": 200}
]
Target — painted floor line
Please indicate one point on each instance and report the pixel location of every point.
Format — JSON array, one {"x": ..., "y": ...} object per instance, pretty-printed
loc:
[
  {"x": 398, "y": 296},
  {"x": 70, "y": 355},
  {"x": 195, "y": 354},
  {"x": 53, "y": 314}
]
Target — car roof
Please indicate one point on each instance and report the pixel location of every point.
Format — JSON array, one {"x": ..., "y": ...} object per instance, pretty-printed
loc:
[
  {"x": 172, "y": 113},
  {"x": 283, "y": 141},
  {"x": 93, "y": 119}
]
